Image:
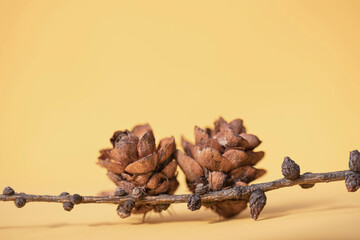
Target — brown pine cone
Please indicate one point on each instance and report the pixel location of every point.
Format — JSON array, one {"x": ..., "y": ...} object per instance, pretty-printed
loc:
[
  {"x": 222, "y": 157},
  {"x": 135, "y": 161}
]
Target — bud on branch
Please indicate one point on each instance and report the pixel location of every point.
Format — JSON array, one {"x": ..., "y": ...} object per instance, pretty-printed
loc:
[
  {"x": 257, "y": 203},
  {"x": 290, "y": 169}
]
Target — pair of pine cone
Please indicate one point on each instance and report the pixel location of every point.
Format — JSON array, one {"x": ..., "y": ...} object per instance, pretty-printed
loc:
[{"x": 221, "y": 158}]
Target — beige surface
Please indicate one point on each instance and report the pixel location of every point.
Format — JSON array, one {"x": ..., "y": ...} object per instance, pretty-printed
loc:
[{"x": 72, "y": 72}]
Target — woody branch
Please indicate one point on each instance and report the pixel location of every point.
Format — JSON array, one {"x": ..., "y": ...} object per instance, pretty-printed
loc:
[
  {"x": 235, "y": 193},
  {"x": 254, "y": 192}
]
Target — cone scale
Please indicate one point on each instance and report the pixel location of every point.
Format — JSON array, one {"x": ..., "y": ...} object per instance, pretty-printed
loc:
[
  {"x": 135, "y": 162},
  {"x": 221, "y": 157}
]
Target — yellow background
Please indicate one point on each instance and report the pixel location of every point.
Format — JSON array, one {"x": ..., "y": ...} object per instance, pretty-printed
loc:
[{"x": 72, "y": 72}]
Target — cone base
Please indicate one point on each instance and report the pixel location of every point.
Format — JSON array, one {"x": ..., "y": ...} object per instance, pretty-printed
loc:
[{"x": 229, "y": 209}]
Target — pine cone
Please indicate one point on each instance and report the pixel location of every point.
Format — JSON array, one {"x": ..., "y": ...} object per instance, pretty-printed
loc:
[
  {"x": 135, "y": 161},
  {"x": 222, "y": 157}
]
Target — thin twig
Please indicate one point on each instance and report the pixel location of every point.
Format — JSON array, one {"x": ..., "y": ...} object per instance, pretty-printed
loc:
[{"x": 235, "y": 193}]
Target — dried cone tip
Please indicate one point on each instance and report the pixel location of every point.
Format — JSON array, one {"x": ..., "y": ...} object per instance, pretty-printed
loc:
[
  {"x": 352, "y": 181},
  {"x": 8, "y": 191},
  {"x": 194, "y": 202},
  {"x": 257, "y": 203},
  {"x": 354, "y": 161},
  {"x": 290, "y": 169}
]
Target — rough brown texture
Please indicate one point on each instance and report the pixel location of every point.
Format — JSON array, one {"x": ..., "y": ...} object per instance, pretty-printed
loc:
[
  {"x": 352, "y": 181},
  {"x": 307, "y": 186},
  {"x": 220, "y": 201},
  {"x": 354, "y": 161},
  {"x": 290, "y": 169},
  {"x": 122, "y": 212},
  {"x": 161, "y": 207},
  {"x": 20, "y": 202},
  {"x": 68, "y": 206},
  {"x": 138, "y": 167},
  {"x": 257, "y": 203},
  {"x": 76, "y": 199},
  {"x": 119, "y": 192},
  {"x": 129, "y": 205},
  {"x": 202, "y": 188},
  {"x": 8, "y": 191},
  {"x": 194, "y": 202},
  {"x": 235, "y": 193},
  {"x": 222, "y": 157},
  {"x": 64, "y": 194}
]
